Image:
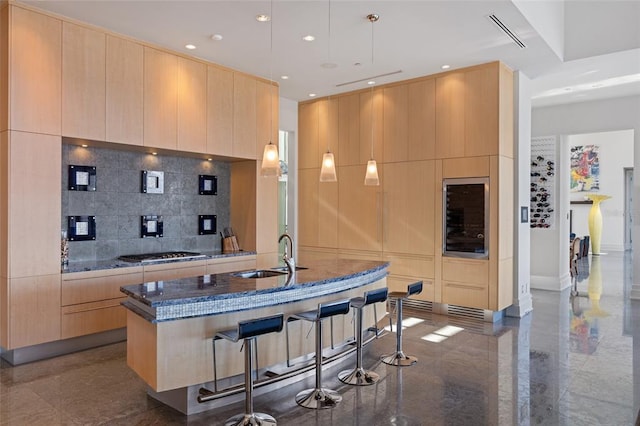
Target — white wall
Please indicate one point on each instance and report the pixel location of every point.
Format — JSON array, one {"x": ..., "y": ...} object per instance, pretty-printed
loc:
[
  {"x": 288, "y": 121},
  {"x": 547, "y": 17},
  {"x": 616, "y": 153},
  {"x": 522, "y": 303},
  {"x": 594, "y": 117}
]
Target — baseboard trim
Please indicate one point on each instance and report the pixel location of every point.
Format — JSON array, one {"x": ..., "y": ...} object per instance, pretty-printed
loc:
[
  {"x": 33, "y": 353},
  {"x": 545, "y": 282}
]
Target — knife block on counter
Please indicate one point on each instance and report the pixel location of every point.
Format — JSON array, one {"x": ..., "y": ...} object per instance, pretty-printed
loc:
[{"x": 230, "y": 244}]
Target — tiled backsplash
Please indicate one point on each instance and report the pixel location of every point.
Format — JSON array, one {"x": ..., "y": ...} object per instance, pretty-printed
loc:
[{"x": 118, "y": 202}]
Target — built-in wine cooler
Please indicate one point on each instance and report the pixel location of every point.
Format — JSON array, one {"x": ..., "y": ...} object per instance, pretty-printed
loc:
[{"x": 466, "y": 217}]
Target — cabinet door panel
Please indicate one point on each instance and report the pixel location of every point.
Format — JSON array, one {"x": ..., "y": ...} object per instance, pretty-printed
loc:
[
  {"x": 192, "y": 106},
  {"x": 34, "y": 211},
  {"x": 422, "y": 120},
  {"x": 349, "y": 129},
  {"x": 371, "y": 126},
  {"x": 244, "y": 116},
  {"x": 308, "y": 129},
  {"x": 35, "y": 61},
  {"x": 83, "y": 82},
  {"x": 360, "y": 221},
  {"x": 266, "y": 116},
  {"x": 481, "y": 111},
  {"x": 125, "y": 74},
  {"x": 160, "y": 99},
  {"x": 396, "y": 123},
  {"x": 450, "y": 112},
  {"x": 34, "y": 310},
  {"x": 220, "y": 112},
  {"x": 409, "y": 217}
]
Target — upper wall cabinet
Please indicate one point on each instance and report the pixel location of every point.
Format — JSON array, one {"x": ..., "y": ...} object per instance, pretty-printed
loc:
[
  {"x": 35, "y": 72},
  {"x": 474, "y": 112},
  {"x": 371, "y": 125},
  {"x": 124, "y": 88},
  {"x": 308, "y": 125},
  {"x": 219, "y": 111},
  {"x": 192, "y": 106},
  {"x": 244, "y": 116},
  {"x": 160, "y": 99},
  {"x": 83, "y": 82},
  {"x": 266, "y": 116}
]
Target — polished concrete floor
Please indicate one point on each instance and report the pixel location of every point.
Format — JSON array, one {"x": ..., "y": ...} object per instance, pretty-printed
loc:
[{"x": 573, "y": 361}]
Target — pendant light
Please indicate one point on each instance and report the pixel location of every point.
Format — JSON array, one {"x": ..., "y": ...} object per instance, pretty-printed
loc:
[
  {"x": 328, "y": 170},
  {"x": 270, "y": 156},
  {"x": 371, "y": 176}
]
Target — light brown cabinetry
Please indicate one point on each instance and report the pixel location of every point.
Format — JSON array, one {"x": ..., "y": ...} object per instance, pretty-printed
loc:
[
  {"x": 35, "y": 72},
  {"x": 244, "y": 116},
  {"x": 266, "y": 116},
  {"x": 219, "y": 111},
  {"x": 360, "y": 218},
  {"x": 174, "y": 270},
  {"x": 34, "y": 210},
  {"x": 457, "y": 124},
  {"x": 160, "y": 99},
  {"x": 90, "y": 301},
  {"x": 230, "y": 264},
  {"x": 124, "y": 91},
  {"x": 192, "y": 106},
  {"x": 474, "y": 112},
  {"x": 319, "y": 208},
  {"x": 83, "y": 82}
]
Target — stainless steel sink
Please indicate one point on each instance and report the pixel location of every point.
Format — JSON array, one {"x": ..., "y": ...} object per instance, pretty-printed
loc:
[
  {"x": 284, "y": 268},
  {"x": 258, "y": 273}
]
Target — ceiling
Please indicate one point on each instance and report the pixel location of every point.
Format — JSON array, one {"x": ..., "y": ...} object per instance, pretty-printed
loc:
[{"x": 600, "y": 37}]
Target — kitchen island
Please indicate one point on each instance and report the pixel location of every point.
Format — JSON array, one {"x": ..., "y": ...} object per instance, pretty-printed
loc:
[{"x": 171, "y": 324}]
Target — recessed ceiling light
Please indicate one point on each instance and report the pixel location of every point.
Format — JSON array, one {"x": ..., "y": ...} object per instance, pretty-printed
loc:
[
  {"x": 154, "y": 153},
  {"x": 209, "y": 159},
  {"x": 357, "y": 64},
  {"x": 190, "y": 46},
  {"x": 216, "y": 37},
  {"x": 263, "y": 18},
  {"x": 284, "y": 77},
  {"x": 308, "y": 38},
  {"x": 371, "y": 82},
  {"x": 445, "y": 67},
  {"x": 312, "y": 95},
  {"x": 567, "y": 89},
  {"x": 84, "y": 145}
]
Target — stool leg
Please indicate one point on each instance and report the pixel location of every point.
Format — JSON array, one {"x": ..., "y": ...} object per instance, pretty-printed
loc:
[
  {"x": 359, "y": 376},
  {"x": 249, "y": 417},
  {"x": 318, "y": 397},
  {"x": 398, "y": 358}
]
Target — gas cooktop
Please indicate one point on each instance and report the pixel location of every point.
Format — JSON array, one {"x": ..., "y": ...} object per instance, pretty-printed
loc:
[{"x": 156, "y": 257}]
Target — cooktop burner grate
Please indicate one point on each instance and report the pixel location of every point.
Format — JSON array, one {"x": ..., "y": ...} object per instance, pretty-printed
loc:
[{"x": 155, "y": 257}]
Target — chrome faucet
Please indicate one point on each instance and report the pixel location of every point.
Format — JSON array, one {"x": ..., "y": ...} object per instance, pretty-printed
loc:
[{"x": 288, "y": 248}]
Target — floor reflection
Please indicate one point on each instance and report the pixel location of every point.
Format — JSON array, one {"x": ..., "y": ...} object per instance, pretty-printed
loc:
[{"x": 572, "y": 361}]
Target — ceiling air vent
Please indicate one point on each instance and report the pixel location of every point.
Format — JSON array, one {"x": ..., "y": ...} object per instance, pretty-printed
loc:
[
  {"x": 507, "y": 31},
  {"x": 369, "y": 78}
]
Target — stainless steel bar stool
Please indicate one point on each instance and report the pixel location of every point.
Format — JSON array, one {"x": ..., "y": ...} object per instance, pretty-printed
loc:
[
  {"x": 360, "y": 376},
  {"x": 320, "y": 397},
  {"x": 248, "y": 331},
  {"x": 398, "y": 357}
]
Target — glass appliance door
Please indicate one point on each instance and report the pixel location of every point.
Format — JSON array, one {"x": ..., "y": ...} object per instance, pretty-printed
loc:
[{"x": 466, "y": 217}]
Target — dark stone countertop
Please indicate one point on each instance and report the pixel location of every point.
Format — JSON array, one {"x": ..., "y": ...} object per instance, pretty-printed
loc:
[{"x": 223, "y": 293}]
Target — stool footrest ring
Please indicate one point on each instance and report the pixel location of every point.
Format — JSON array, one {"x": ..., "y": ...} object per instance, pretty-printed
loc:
[{"x": 358, "y": 377}]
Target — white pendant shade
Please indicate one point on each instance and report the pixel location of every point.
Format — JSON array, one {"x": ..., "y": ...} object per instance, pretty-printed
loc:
[
  {"x": 270, "y": 161},
  {"x": 328, "y": 171},
  {"x": 371, "y": 178}
]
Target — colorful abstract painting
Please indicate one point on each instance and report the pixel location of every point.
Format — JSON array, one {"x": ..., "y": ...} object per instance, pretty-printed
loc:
[{"x": 585, "y": 168}]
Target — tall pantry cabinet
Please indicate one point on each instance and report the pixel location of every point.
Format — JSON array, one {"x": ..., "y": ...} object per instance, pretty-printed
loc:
[{"x": 457, "y": 124}]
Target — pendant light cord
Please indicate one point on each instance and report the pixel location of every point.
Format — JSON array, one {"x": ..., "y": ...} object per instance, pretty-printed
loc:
[
  {"x": 271, "y": 71},
  {"x": 328, "y": 62}
]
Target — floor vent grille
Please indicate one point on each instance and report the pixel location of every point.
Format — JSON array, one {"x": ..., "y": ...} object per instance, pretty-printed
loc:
[
  {"x": 469, "y": 313},
  {"x": 422, "y": 305}
]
